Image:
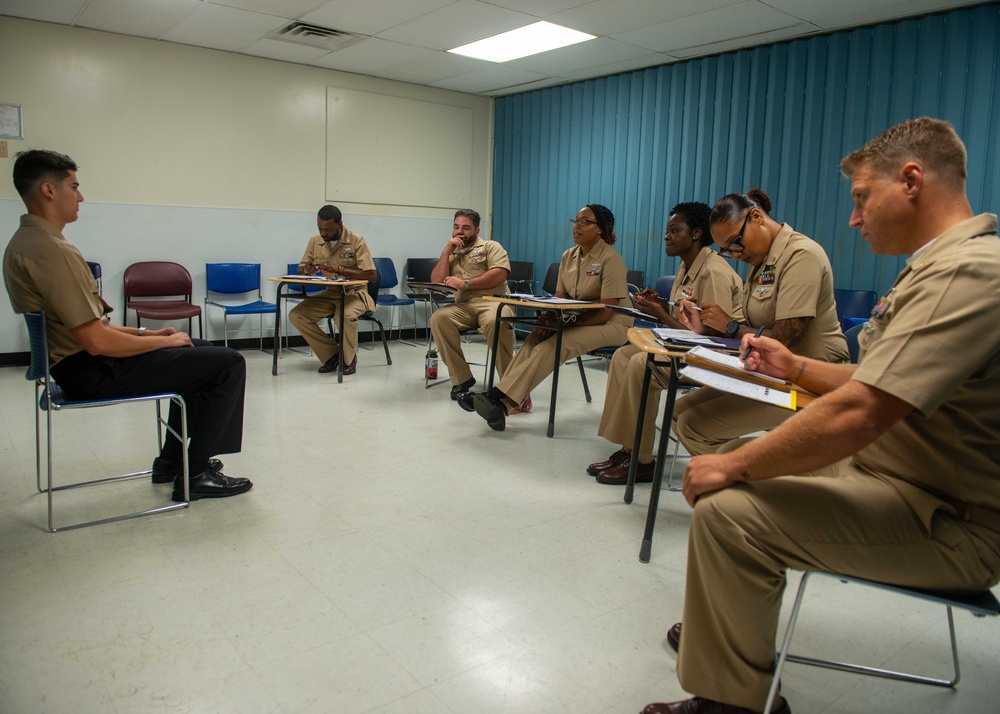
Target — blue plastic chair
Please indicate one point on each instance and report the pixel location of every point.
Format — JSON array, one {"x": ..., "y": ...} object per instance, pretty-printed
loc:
[
  {"x": 852, "y": 341},
  {"x": 236, "y": 279},
  {"x": 95, "y": 270},
  {"x": 388, "y": 281},
  {"x": 50, "y": 398},
  {"x": 854, "y": 303},
  {"x": 664, "y": 285}
]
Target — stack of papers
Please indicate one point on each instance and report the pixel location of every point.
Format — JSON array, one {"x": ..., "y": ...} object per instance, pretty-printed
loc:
[
  {"x": 668, "y": 336},
  {"x": 727, "y": 373}
]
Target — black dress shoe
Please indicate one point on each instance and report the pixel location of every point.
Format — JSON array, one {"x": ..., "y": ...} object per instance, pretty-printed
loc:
[
  {"x": 459, "y": 389},
  {"x": 617, "y": 475},
  {"x": 615, "y": 458},
  {"x": 491, "y": 409},
  {"x": 465, "y": 401},
  {"x": 350, "y": 368},
  {"x": 166, "y": 471},
  {"x": 210, "y": 483},
  {"x": 700, "y": 705},
  {"x": 331, "y": 365},
  {"x": 674, "y": 637}
]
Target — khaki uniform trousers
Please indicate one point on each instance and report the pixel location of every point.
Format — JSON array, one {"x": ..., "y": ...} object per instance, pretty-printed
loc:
[
  {"x": 707, "y": 419},
  {"x": 533, "y": 362},
  {"x": 744, "y": 537},
  {"x": 447, "y": 324},
  {"x": 621, "y": 402},
  {"x": 308, "y": 313}
]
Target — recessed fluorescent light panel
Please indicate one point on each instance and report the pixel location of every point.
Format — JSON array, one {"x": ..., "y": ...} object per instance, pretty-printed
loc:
[{"x": 522, "y": 42}]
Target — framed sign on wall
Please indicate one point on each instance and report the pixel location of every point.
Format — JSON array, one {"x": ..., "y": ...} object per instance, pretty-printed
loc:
[{"x": 10, "y": 122}]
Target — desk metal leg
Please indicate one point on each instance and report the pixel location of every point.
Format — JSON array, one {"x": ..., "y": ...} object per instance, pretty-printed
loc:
[
  {"x": 277, "y": 331},
  {"x": 340, "y": 341},
  {"x": 640, "y": 421},
  {"x": 661, "y": 454},
  {"x": 555, "y": 378},
  {"x": 492, "y": 362}
]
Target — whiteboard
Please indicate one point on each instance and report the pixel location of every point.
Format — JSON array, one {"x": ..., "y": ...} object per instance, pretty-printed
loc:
[{"x": 417, "y": 153}]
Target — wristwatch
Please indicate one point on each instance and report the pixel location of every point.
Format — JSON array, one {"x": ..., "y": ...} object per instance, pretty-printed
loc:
[
  {"x": 465, "y": 284},
  {"x": 140, "y": 332},
  {"x": 732, "y": 328}
]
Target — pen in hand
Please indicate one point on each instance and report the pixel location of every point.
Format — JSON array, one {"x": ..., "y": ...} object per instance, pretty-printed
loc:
[
  {"x": 746, "y": 353},
  {"x": 669, "y": 303}
]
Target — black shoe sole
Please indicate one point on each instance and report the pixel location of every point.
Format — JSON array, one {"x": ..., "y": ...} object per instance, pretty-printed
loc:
[{"x": 491, "y": 412}]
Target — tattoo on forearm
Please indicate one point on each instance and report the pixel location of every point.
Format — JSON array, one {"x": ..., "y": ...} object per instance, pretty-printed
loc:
[
  {"x": 745, "y": 475},
  {"x": 790, "y": 332}
]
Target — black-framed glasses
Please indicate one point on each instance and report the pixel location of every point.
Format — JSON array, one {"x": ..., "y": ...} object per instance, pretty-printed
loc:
[
  {"x": 582, "y": 222},
  {"x": 735, "y": 246}
]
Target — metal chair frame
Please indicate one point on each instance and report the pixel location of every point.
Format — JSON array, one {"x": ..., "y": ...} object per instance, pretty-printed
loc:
[
  {"x": 980, "y": 605},
  {"x": 387, "y": 281},
  {"x": 50, "y": 398},
  {"x": 236, "y": 279}
]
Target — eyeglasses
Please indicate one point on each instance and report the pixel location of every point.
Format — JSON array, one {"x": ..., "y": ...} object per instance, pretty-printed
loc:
[
  {"x": 582, "y": 222},
  {"x": 735, "y": 246}
]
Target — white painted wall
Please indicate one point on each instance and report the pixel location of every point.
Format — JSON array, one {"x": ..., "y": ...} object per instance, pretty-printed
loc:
[{"x": 200, "y": 156}]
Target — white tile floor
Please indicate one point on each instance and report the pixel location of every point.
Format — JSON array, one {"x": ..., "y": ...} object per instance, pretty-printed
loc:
[{"x": 394, "y": 556}]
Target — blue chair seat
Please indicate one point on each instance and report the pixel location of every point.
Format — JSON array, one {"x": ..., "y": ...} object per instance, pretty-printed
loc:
[{"x": 260, "y": 307}]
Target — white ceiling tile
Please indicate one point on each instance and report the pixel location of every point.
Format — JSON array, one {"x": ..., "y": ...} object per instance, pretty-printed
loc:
[
  {"x": 748, "y": 18},
  {"x": 464, "y": 21},
  {"x": 540, "y": 8},
  {"x": 431, "y": 68},
  {"x": 786, "y": 33},
  {"x": 581, "y": 56},
  {"x": 281, "y": 8},
  {"x": 222, "y": 28},
  {"x": 369, "y": 55},
  {"x": 285, "y": 51},
  {"x": 142, "y": 18},
  {"x": 488, "y": 78},
  {"x": 653, "y": 59},
  {"x": 372, "y": 16},
  {"x": 61, "y": 11},
  {"x": 834, "y": 17},
  {"x": 610, "y": 17}
]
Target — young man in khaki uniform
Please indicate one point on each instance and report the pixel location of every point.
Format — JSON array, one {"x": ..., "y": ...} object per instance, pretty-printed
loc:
[
  {"x": 92, "y": 358},
  {"x": 474, "y": 267},
  {"x": 335, "y": 252},
  {"x": 910, "y": 488},
  {"x": 703, "y": 277}
]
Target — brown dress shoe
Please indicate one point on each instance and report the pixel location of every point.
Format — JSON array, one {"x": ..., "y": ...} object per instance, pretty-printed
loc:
[
  {"x": 674, "y": 637},
  {"x": 352, "y": 367},
  {"x": 698, "y": 705},
  {"x": 617, "y": 475},
  {"x": 615, "y": 458},
  {"x": 329, "y": 366}
]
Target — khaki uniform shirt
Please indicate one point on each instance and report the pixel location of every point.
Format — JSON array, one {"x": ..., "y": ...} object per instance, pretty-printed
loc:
[
  {"x": 480, "y": 257},
  {"x": 933, "y": 342},
  {"x": 43, "y": 271},
  {"x": 796, "y": 280},
  {"x": 350, "y": 251},
  {"x": 599, "y": 276},
  {"x": 711, "y": 279}
]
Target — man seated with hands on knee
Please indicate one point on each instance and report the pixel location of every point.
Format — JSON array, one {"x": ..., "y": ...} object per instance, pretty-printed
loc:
[{"x": 903, "y": 471}]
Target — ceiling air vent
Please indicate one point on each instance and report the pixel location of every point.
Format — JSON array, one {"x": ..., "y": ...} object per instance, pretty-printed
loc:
[{"x": 302, "y": 33}]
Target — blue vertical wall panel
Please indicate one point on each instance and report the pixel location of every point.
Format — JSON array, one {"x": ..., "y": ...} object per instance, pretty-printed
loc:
[{"x": 780, "y": 117}]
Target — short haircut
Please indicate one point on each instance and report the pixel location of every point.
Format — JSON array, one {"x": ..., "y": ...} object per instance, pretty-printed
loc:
[
  {"x": 605, "y": 222},
  {"x": 932, "y": 143},
  {"x": 34, "y": 166},
  {"x": 696, "y": 215},
  {"x": 729, "y": 208},
  {"x": 330, "y": 213},
  {"x": 470, "y": 214}
]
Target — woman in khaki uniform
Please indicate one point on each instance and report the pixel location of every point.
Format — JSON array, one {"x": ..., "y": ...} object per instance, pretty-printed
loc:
[
  {"x": 788, "y": 292},
  {"x": 703, "y": 277},
  {"x": 593, "y": 271}
]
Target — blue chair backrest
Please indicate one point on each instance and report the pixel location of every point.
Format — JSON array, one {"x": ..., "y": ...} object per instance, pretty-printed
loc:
[
  {"x": 95, "y": 269},
  {"x": 551, "y": 279},
  {"x": 854, "y": 303},
  {"x": 232, "y": 278},
  {"x": 388, "y": 272},
  {"x": 39, "y": 345},
  {"x": 853, "y": 348},
  {"x": 664, "y": 284}
]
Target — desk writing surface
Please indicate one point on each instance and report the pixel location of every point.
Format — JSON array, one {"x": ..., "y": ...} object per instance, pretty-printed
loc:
[
  {"x": 645, "y": 340},
  {"x": 324, "y": 283},
  {"x": 543, "y": 305}
]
